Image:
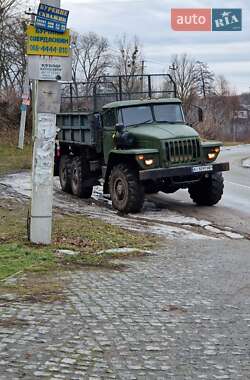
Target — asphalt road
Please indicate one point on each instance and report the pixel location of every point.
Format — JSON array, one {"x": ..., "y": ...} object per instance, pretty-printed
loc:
[{"x": 234, "y": 208}]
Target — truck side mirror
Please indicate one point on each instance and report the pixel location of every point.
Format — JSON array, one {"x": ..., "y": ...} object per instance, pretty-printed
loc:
[
  {"x": 119, "y": 128},
  {"x": 200, "y": 115}
]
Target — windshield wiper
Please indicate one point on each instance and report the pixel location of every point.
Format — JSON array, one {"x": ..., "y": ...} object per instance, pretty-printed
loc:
[{"x": 142, "y": 122}]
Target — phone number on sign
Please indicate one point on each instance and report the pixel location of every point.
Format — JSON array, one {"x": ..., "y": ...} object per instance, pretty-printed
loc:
[{"x": 49, "y": 49}]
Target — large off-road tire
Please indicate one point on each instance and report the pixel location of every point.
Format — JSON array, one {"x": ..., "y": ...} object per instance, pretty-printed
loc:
[
  {"x": 78, "y": 176},
  {"x": 208, "y": 191},
  {"x": 65, "y": 173},
  {"x": 56, "y": 168},
  {"x": 125, "y": 189}
]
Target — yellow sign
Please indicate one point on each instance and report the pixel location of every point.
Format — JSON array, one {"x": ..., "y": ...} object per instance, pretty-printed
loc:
[{"x": 42, "y": 42}]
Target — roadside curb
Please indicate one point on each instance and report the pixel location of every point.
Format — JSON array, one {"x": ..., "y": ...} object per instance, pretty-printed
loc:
[{"x": 246, "y": 163}]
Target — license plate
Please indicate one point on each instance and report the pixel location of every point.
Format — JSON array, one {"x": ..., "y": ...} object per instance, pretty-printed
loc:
[{"x": 202, "y": 169}]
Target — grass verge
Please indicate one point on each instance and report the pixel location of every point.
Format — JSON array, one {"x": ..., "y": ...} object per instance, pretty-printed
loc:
[
  {"x": 74, "y": 232},
  {"x": 14, "y": 159}
]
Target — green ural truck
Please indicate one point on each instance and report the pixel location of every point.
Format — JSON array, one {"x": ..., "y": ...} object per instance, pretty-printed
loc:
[{"x": 136, "y": 146}]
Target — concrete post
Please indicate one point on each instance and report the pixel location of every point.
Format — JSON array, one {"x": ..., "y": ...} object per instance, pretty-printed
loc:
[{"x": 47, "y": 104}]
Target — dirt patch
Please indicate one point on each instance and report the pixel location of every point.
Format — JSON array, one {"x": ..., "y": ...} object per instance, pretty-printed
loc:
[
  {"x": 35, "y": 289},
  {"x": 13, "y": 322},
  {"x": 174, "y": 309}
]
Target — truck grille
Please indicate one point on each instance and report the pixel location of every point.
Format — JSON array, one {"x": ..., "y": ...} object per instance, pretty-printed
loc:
[{"x": 182, "y": 151}]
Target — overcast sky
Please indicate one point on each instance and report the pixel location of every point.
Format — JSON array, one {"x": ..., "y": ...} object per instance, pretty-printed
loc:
[{"x": 226, "y": 53}]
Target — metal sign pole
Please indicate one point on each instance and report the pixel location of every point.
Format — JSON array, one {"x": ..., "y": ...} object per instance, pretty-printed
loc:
[
  {"x": 47, "y": 106},
  {"x": 25, "y": 103},
  {"x": 22, "y": 128}
]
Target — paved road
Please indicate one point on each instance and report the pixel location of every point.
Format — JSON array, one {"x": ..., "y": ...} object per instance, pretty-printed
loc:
[
  {"x": 234, "y": 208},
  {"x": 181, "y": 314}
]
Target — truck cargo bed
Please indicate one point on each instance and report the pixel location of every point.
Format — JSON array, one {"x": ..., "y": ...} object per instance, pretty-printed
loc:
[{"x": 76, "y": 128}]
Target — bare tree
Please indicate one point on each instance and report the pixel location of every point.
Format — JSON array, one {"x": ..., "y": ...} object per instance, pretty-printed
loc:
[
  {"x": 193, "y": 78},
  {"x": 196, "y": 84},
  {"x": 12, "y": 46},
  {"x": 91, "y": 58},
  {"x": 220, "y": 107},
  {"x": 129, "y": 62},
  {"x": 205, "y": 79},
  {"x": 6, "y": 6},
  {"x": 90, "y": 61},
  {"x": 12, "y": 65},
  {"x": 184, "y": 72},
  {"x": 222, "y": 86}
]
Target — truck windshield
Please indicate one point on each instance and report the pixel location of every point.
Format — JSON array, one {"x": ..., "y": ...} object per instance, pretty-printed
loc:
[
  {"x": 137, "y": 115},
  {"x": 168, "y": 113},
  {"x": 171, "y": 113}
]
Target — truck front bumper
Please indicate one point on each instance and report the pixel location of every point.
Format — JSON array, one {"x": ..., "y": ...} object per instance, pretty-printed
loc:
[{"x": 183, "y": 171}]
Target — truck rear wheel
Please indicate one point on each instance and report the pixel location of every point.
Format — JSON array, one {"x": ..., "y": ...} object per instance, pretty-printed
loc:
[
  {"x": 208, "y": 191},
  {"x": 64, "y": 173},
  {"x": 78, "y": 175},
  {"x": 125, "y": 189}
]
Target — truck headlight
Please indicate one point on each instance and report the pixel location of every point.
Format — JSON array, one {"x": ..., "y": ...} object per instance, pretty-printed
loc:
[
  {"x": 148, "y": 161},
  {"x": 212, "y": 155}
]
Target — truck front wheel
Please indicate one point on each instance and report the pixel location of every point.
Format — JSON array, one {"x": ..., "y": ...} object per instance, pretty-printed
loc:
[
  {"x": 125, "y": 189},
  {"x": 64, "y": 173},
  {"x": 208, "y": 191},
  {"x": 78, "y": 175}
]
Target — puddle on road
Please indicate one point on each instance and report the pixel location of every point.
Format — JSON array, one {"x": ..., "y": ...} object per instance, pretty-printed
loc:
[{"x": 152, "y": 219}]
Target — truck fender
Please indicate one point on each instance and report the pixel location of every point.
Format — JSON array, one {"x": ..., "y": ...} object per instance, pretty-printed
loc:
[{"x": 116, "y": 158}]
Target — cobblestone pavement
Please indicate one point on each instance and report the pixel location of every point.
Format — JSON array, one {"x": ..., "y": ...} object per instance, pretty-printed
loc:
[{"x": 182, "y": 313}]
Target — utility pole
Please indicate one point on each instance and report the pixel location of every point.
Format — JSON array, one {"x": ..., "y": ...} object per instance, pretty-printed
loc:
[
  {"x": 47, "y": 105},
  {"x": 173, "y": 67},
  {"x": 46, "y": 100}
]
